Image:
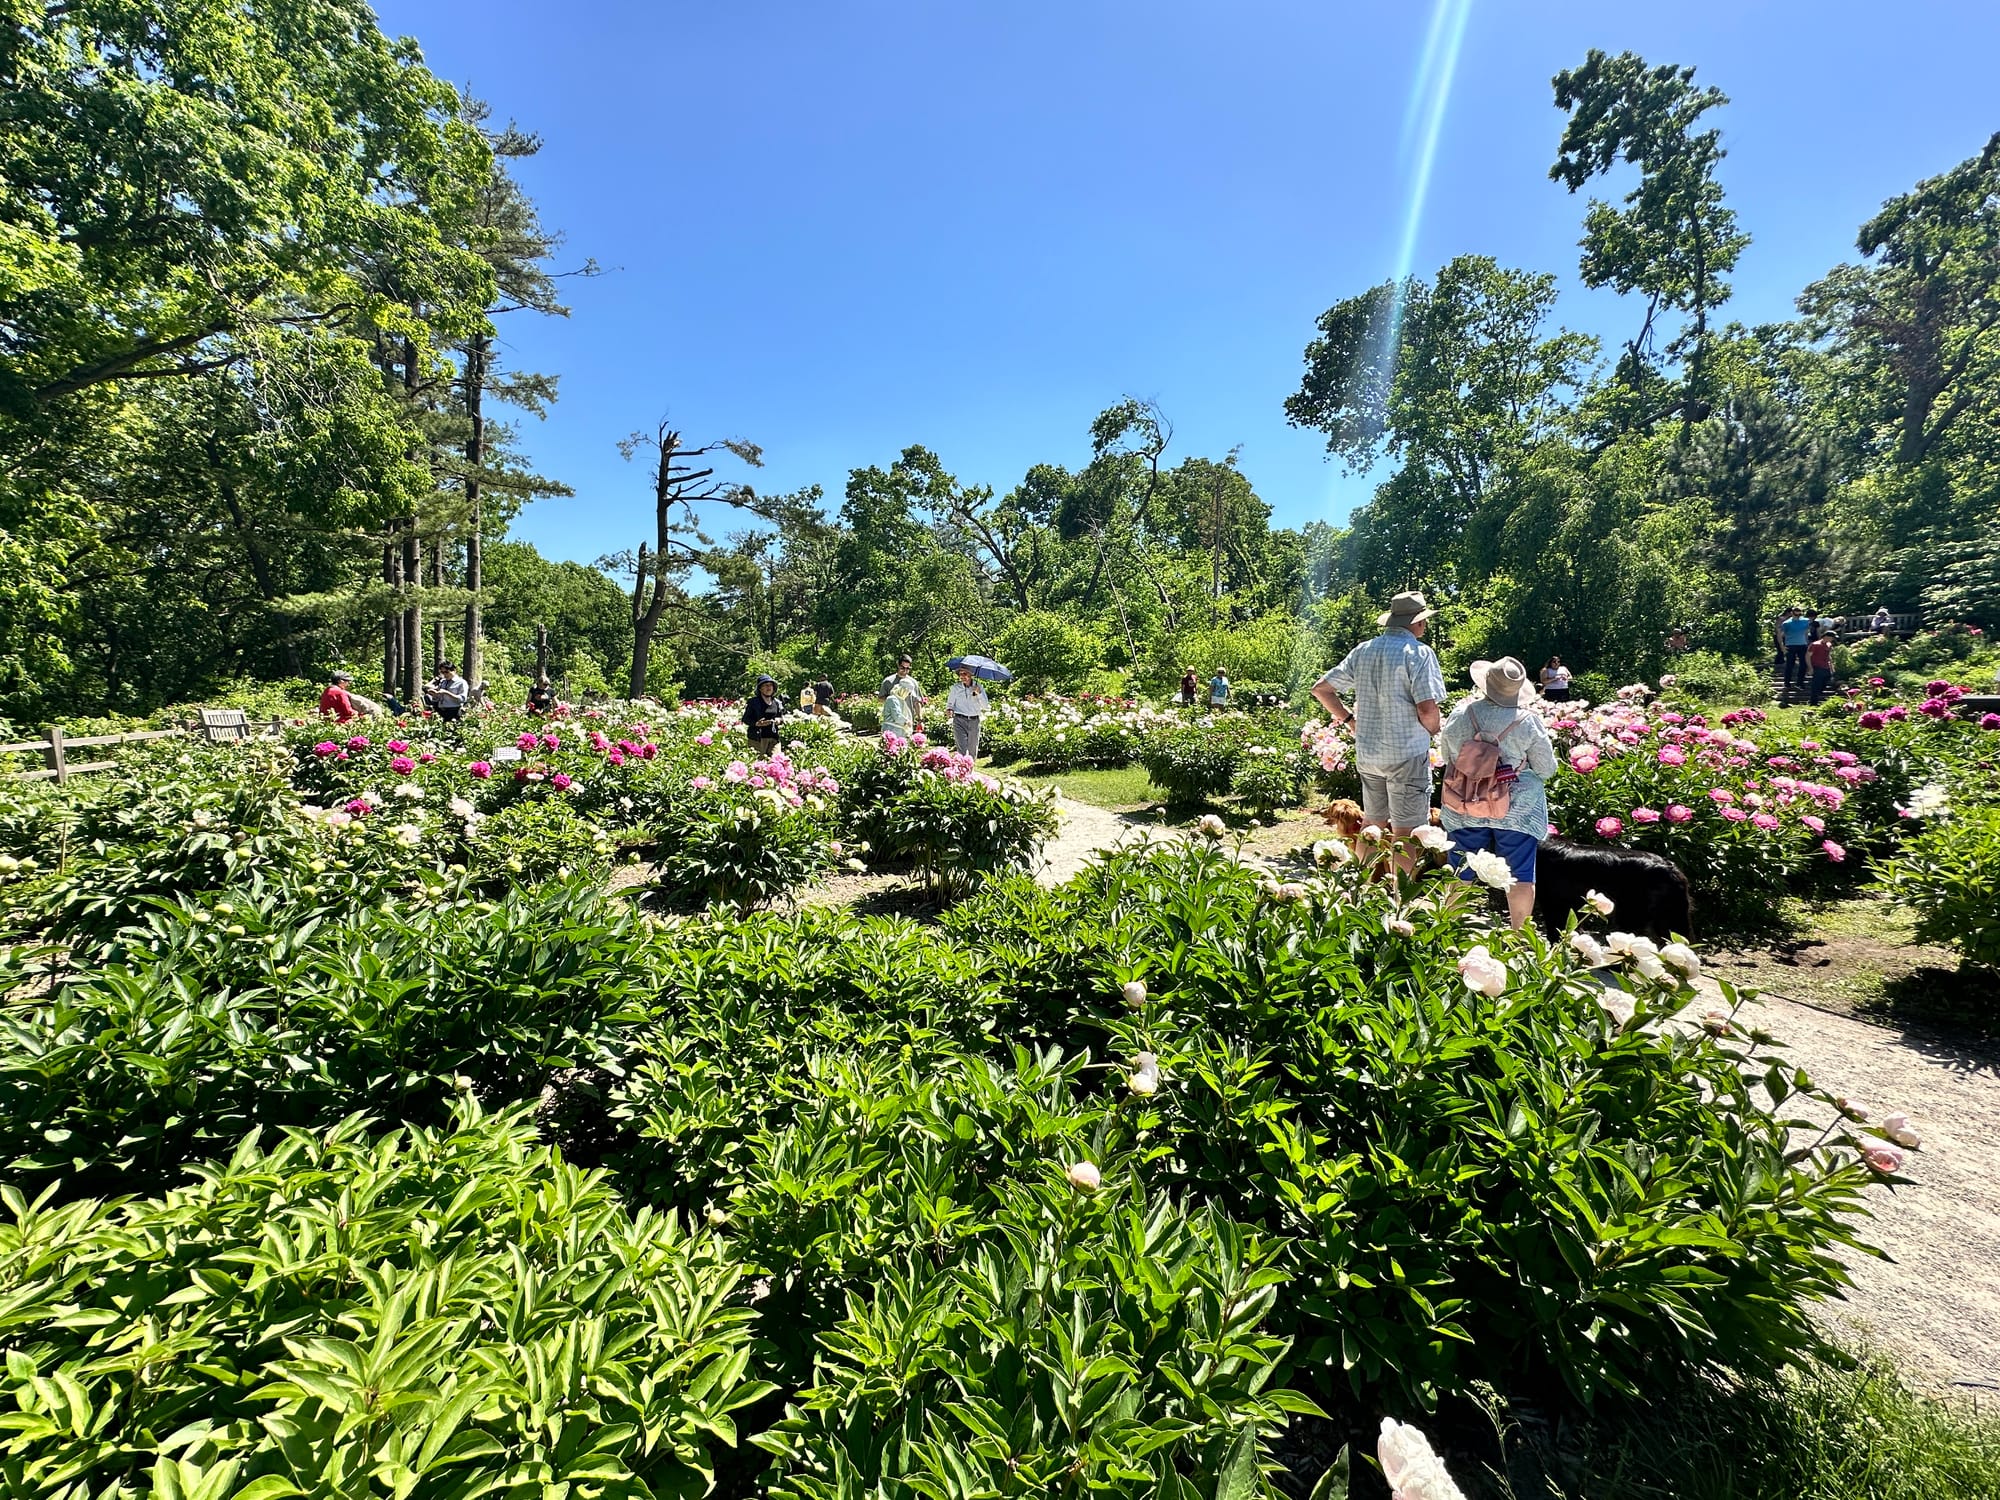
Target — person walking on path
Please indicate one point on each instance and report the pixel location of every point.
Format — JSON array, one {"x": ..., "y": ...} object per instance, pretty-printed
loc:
[
  {"x": 1395, "y": 682},
  {"x": 337, "y": 702},
  {"x": 901, "y": 675},
  {"x": 822, "y": 691},
  {"x": 761, "y": 715},
  {"x": 1218, "y": 689},
  {"x": 1498, "y": 716},
  {"x": 1190, "y": 685},
  {"x": 968, "y": 706},
  {"x": 1819, "y": 657},
  {"x": 1795, "y": 630},
  {"x": 1555, "y": 681}
]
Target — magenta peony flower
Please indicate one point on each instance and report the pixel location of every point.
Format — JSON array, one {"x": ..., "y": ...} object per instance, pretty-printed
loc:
[
  {"x": 325, "y": 748},
  {"x": 1676, "y": 813},
  {"x": 648, "y": 750},
  {"x": 1735, "y": 814},
  {"x": 402, "y": 765},
  {"x": 1872, "y": 720},
  {"x": 398, "y": 747},
  {"x": 1609, "y": 827},
  {"x": 553, "y": 741},
  {"x": 1989, "y": 721},
  {"x": 358, "y": 742},
  {"x": 559, "y": 781},
  {"x": 480, "y": 769},
  {"x": 1833, "y": 851},
  {"x": 1721, "y": 794},
  {"x": 1764, "y": 821},
  {"x": 360, "y": 807},
  {"x": 527, "y": 742},
  {"x": 1896, "y": 714},
  {"x": 426, "y": 758}
]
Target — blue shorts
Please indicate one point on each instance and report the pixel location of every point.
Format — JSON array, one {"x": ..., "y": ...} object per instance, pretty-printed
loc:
[{"x": 1518, "y": 849}]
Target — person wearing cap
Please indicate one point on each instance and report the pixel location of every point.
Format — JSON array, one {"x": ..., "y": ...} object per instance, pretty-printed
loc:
[
  {"x": 1499, "y": 711},
  {"x": 337, "y": 702},
  {"x": 1396, "y": 684},
  {"x": 761, "y": 715}
]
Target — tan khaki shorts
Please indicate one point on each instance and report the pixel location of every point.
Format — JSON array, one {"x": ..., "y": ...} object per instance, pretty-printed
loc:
[{"x": 1399, "y": 797}]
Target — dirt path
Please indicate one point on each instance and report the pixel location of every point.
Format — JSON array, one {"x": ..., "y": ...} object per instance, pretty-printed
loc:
[{"x": 1935, "y": 1305}]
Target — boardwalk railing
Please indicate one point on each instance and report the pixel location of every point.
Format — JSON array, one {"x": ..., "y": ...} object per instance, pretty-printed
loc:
[{"x": 55, "y": 745}]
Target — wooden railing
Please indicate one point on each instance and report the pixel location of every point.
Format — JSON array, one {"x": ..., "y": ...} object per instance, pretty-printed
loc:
[{"x": 55, "y": 745}]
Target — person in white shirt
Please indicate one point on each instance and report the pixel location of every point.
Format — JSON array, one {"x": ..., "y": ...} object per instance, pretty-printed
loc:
[{"x": 968, "y": 704}]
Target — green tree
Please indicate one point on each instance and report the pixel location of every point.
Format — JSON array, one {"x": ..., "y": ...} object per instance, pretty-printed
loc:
[{"x": 1674, "y": 240}]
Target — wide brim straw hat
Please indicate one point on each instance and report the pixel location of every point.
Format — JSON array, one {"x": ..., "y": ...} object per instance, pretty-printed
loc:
[
  {"x": 1406, "y": 609},
  {"x": 1504, "y": 682}
]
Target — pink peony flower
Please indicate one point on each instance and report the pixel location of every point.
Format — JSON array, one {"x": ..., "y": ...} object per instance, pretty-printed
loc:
[
  {"x": 1989, "y": 721},
  {"x": 1897, "y": 714},
  {"x": 1884, "y": 1159},
  {"x": 559, "y": 781},
  {"x": 358, "y": 742},
  {"x": 648, "y": 750},
  {"x": 402, "y": 765},
  {"x": 737, "y": 772},
  {"x": 426, "y": 758},
  {"x": 553, "y": 741},
  {"x": 1817, "y": 825},
  {"x": 701, "y": 783},
  {"x": 1764, "y": 821},
  {"x": 919, "y": 739},
  {"x": 480, "y": 769},
  {"x": 1609, "y": 827},
  {"x": 704, "y": 739},
  {"x": 1833, "y": 851},
  {"x": 1645, "y": 815},
  {"x": 1735, "y": 814},
  {"x": 1676, "y": 813},
  {"x": 325, "y": 748},
  {"x": 1721, "y": 794},
  {"x": 397, "y": 747},
  {"x": 1672, "y": 755}
]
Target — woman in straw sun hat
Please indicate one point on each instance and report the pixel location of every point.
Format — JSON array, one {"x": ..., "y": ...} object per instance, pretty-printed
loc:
[{"x": 1507, "y": 811}]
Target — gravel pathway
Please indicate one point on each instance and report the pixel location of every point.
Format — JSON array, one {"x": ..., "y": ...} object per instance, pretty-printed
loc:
[{"x": 1935, "y": 1304}]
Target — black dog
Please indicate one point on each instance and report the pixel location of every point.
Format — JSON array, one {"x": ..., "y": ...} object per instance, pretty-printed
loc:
[{"x": 1649, "y": 891}]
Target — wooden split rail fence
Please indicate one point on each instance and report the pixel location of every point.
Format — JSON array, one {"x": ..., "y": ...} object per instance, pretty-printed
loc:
[{"x": 213, "y": 725}]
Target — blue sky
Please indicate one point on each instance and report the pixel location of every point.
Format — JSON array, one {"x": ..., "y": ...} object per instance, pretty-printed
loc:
[{"x": 839, "y": 229}]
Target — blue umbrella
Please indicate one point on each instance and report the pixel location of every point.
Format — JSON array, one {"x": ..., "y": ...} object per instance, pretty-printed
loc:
[{"x": 985, "y": 668}]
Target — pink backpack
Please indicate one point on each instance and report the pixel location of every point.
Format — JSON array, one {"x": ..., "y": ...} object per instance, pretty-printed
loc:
[{"x": 1477, "y": 783}]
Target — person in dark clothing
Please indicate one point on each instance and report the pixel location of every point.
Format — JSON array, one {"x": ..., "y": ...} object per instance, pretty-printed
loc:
[
  {"x": 1819, "y": 657},
  {"x": 1190, "y": 685},
  {"x": 541, "y": 697},
  {"x": 823, "y": 696},
  {"x": 761, "y": 715}
]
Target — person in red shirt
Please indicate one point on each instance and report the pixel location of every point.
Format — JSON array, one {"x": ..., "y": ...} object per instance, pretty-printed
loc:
[
  {"x": 336, "y": 702},
  {"x": 1819, "y": 657}
]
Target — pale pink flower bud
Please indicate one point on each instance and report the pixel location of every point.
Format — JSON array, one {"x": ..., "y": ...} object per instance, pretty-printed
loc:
[
  {"x": 1897, "y": 1128},
  {"x": 1884, "y": 1159},
  {"x": 1085, "y": 1175},
  {"x": 1134, "y": 992}
]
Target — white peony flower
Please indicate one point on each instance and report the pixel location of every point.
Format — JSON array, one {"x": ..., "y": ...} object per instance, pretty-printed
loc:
[
  {"x": 1370, "y": 833},
  {"x": 1330, "y": 854},
  {"x": 1402, "y": 927},
  {"x": 408, "y": 834},
  {"x": 1600, "y": 903},
  {"x": 1593, "y": 953},
  {"x": 1650, "y": 966},
  {"x": 1434, "y": 839},
  {"x": 1490, "y": 868},
  {"x": 1084, "y": 1175},
  {"x": 1211, "y": 826},
  {"x": 1897, "y": 1128},
  {"x": 409, "y": 791},
  {"x": 1482, "y": 972},
  {"x": 460, "y": 808},
  {"x": 1413, "y": 1470},
  {"x": 1145, "y": 1077},
  {"x": 1631, "y": 945},
  {"x": 1682, "y": 957}
]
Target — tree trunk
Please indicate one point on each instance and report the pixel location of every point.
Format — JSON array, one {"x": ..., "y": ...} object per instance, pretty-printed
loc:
[
  {"x": 541, "y": 652},
  {"x": 643, "y": 620},
  {"x": 392, "y": 620},
  {"x": 475, "y": 544},
  {"x": 413, "y": 615},
  {"x": 437, "y": 620}
]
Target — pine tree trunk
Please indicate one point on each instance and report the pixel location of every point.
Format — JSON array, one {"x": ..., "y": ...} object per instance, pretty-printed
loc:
[
  {"x": 437, "y": 620},
  {"x": 392, "y": 621},
  {"x": 413, "y": 616},
  {"x": 475, "y": 543}
]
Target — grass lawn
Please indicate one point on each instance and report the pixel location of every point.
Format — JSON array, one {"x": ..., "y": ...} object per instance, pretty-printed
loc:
[
  {"x": 1860, "y": 956},
  {"x": 1126, "y": 789}
]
